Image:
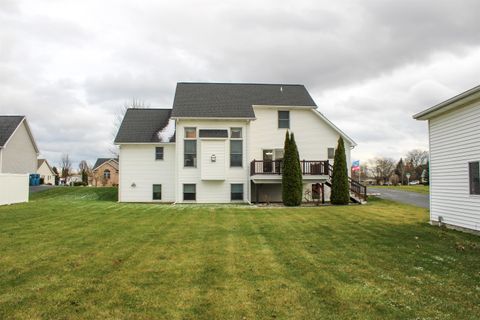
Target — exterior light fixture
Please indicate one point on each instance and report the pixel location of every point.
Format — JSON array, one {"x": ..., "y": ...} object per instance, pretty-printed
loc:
[
  {"x": 133, "y": 185},
  {"x": 213, "y": 158}
]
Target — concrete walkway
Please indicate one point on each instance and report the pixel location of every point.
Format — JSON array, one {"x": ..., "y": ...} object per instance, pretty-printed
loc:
[{"x": 413, "y": 198}]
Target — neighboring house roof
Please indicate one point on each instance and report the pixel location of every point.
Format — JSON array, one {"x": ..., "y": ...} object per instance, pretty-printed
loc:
[
  {"x": 234, "y": 100},
  {"x": 143, "y": 126},
  {"x": 455, "y": 102},
  {"x": 101, "y": 161},
  {"x": 41, "y": 161},
  {"x": 8, "y": 126}
]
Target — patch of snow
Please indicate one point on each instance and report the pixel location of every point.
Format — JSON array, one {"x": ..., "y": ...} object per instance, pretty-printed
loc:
[{"x": 167, "y": 132}]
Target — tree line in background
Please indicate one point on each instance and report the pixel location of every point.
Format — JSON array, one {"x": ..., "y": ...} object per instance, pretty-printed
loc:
[
  {"x": 66, "y": 171},
  {"x": 414, "y": 167}
]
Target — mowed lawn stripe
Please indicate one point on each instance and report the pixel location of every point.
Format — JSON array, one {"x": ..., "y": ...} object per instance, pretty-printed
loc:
[{"x": 76, "y": 253}]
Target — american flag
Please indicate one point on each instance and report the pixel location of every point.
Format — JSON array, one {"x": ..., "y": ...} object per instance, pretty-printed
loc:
[{"x": 356, "y": 165}]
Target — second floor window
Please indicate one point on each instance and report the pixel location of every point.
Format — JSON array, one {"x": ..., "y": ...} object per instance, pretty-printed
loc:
[
  {"x": 159, "y": 153},
  {"x": 190, "y": 148},
  {"x": 106, "y": 174},
  {"x": 283, "y": 119},
  {"x": 236, "y": 147}
]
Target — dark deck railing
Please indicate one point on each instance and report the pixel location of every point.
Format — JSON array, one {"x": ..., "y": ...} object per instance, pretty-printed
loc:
[{"x": 309, "y": 167}]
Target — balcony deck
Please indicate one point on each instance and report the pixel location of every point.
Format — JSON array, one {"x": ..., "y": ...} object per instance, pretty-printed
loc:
[{"x": 274, "y": 168}]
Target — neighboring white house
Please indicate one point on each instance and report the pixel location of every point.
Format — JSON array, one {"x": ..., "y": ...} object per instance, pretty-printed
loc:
[
  {"x": 18, "y": 149},
  {"x": 223, "y": 143},
  {"x": 18, "y": 158},
  {"x": 46, "y": 172},
  {"x": 454, "y": 137}
]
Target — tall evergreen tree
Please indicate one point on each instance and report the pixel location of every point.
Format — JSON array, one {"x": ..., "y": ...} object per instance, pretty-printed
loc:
[
  {"x": 340, "y": 189},
  {"x": 400, "y": 170},
  {"x": 298, "y": 171},
  {"x": 291, "y": 185}
]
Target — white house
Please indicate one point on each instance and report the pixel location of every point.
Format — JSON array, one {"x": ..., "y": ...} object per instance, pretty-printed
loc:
[
  {"x": 454, "y": 137},
  {"x": 46, "y": 172},
  {"x": 18, "y": 149},
  {"x": 18, "y": 158},
  {"x": 223, "y": 143}
]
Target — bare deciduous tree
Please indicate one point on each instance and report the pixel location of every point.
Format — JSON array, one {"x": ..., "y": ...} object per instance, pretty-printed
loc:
[
  {"x": 381, "y": 169},
  {"x": 66, "y": 166},
  {"x": 417, "y": 157},
  {"x": 120, "y": 114},
  {"x": 85, "y": 170},
  {"x": 416, "y": 161}
]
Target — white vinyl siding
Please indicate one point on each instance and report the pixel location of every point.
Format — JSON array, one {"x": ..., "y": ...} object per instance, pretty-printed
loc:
[
  {"x": 210, "y": 191},
  {"x": 454, "y": 143},
  {"x": 213, "y": 159},
  {"x": 312, "y": 134},
  {"x": 139, "y": 171},
  {"x": 19, "y": 155}
]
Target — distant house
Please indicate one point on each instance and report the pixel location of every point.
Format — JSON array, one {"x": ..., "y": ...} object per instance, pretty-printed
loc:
[
  {"x": 105, "y": 172},
  {"x": 18, "y": 149},
  {"x": 46, "y": 173},
  {"x": 454, "y": 135}
]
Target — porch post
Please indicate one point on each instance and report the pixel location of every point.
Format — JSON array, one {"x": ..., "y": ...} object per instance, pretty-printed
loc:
[{"x": 322, "y": 187}]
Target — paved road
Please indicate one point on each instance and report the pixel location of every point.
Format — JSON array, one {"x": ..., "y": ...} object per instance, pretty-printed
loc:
[
  {"x": 416, "y": 199},
  {"x": 40, "y": 188}
]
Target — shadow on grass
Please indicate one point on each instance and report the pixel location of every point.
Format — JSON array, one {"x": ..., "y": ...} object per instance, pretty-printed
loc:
[{"x": 78, "y": 193}]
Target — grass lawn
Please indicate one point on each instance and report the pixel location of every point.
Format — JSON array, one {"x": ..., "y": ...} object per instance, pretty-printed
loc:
[
  {"x": 419, "y": 188},
  {"x": 74, "y": 253}
]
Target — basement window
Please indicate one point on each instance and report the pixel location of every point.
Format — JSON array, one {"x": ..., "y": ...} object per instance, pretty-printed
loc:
[
  {"x": 189, "y": 192},
  {"x": 474, "y": 177},
  {"x": 236, "y": 192},
  {"x": 157, "y": 192}
]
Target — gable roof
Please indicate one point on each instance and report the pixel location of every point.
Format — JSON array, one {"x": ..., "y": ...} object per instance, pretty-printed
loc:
[
  {"x": 234, "y": 100},
  {"x": 41, "y": 161},
  {"x": 457, "y": 101},
  {"x": 8, "y": 126},
  {"x": 101, "y": 161},
  {"x": 143, "y": 126}
]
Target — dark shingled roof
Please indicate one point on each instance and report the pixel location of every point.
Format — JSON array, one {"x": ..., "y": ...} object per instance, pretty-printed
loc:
[
  {"x": 101, "y": 161},
  {"x": 8, "y": 124},
  {"x": 143, "y": 125},
  {"x": 234, "y": 100}
]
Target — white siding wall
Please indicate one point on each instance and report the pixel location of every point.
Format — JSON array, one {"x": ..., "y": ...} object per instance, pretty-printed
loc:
[
  {"x": 312, "y": 135},
  {"x": 45, "y": 173},
  {"x": 13, "y": 188},
  {"x": 211, "y": 191},
  {"x": 138, "y": 165},
  {"x": 454, "y": 142},
  {"x": 19, "y": 155},
  {"x": 213, "y": 170}
]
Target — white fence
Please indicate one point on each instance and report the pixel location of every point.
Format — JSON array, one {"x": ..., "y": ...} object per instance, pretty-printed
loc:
[{"x": 13, "y": 188}]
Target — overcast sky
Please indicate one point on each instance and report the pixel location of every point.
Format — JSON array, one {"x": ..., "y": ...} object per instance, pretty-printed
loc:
[{"x": 370, "y": 65}]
